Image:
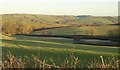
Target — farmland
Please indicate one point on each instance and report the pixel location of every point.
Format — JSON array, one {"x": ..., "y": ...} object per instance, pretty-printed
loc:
[
  {"x": 55, "y": 49},
  {"x": 52, "y": 49},
  {"x": 84, "y": 30}
]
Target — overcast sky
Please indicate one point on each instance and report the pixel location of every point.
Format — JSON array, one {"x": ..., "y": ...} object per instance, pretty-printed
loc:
[{"x": 61, "y": 7}]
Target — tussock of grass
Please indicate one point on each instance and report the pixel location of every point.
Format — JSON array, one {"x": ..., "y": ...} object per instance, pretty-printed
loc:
[
  {"x": 69, "y": 62},
  {"x": 113, "y": 63},
  {"x": 13, "y": 62}
]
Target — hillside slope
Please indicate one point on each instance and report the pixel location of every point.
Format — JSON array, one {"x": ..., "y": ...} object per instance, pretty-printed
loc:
[{"x": 26, "y": 23}]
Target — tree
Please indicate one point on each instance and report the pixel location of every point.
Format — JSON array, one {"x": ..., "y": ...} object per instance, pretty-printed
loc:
[
  {"x": 24, "y": 28},
  {"x": 9, "y": 28}
]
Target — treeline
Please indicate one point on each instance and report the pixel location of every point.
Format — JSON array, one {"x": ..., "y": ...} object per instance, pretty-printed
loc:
[
  {"x": 24, "y": 28},
  {"x": 21, "y": 28},
  {"x": 13, "y": 28}
]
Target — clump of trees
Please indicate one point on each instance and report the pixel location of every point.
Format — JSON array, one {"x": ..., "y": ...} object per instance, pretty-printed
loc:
[
  {"x": 14, "y": 28},
  {"x": 23, "y": 27},
  {"x": 9, "y": 28}
]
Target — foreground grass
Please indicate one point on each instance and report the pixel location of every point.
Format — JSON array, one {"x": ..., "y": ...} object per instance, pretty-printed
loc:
[
  {"x": 55, "y": 49},
  {"x": 71, "y": 61}
]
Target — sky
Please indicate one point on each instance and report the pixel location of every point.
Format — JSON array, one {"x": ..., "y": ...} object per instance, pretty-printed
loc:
[{"x": 60, "y": 7}]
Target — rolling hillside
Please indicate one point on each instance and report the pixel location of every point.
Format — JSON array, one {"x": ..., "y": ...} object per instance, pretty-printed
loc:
[
  {"x": 26, "y": 23},
  {"x": 49, "y": 19},
  {"x": 56, "y": 50}
]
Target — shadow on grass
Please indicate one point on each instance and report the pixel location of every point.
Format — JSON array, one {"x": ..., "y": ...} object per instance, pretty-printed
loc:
[
  {"x": 41, "y": 44},
  {"x": 63, "y": 46},
  {"x": 57, "y": 56},
  {"x": 100, "y": 43},
  {"x": 47, "y": 39}
]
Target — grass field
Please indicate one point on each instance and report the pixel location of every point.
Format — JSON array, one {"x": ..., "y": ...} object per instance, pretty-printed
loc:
[
  {"x": 55, "y": 49},
  {"x": 84, "y": 30}
]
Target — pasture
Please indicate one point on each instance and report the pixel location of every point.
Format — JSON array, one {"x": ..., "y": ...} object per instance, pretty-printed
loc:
[
  {"x": 55, "y": 49},
  {"x": 52, "y": 49},
  {"x": 103, "y": 30}
]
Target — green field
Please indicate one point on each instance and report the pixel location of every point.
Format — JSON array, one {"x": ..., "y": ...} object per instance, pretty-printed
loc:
[
  {"x": 55, "y": 49},
  {"x": 84, "y": 30}
]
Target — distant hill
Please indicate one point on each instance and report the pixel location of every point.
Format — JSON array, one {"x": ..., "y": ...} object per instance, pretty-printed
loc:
[
  {"x": 88, "y": 19},
  {"x": 49, "y": 19},
  {"x": 25, "y": 23},
  {"x": 35, "y": 19}
]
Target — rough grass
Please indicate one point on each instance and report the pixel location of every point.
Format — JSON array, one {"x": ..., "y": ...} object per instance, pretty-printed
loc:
[
  {"x": 71, "y": 62},
  {"x": 55, "y": 49}
]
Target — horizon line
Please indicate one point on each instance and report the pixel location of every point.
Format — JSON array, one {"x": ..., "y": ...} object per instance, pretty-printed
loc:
[{"x": 55, "y": 14}]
